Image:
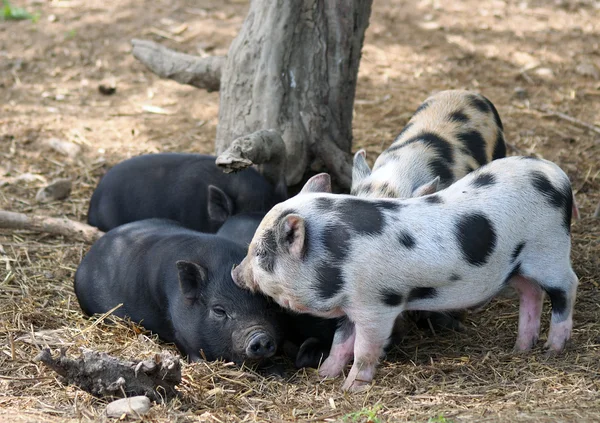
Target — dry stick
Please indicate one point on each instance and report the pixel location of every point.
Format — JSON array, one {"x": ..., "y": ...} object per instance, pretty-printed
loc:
[
  {"x": 200, "y": 72},
  {"x": 571, "y": 119},
  {"x": 597, "y": 212},
  {"x": 52, "y": 225},
  {"x": 103, "y": 375}
]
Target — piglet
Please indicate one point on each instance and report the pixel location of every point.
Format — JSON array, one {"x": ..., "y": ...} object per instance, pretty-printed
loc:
[{"x": 506, "y": 223}]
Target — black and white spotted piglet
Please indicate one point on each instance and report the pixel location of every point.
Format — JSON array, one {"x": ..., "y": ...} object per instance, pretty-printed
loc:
[
  {"x": 451, "y": 134},
  {"x": 370, "y": 259}
]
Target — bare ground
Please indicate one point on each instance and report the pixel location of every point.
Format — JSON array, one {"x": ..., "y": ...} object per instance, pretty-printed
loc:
[{"x": 49, "y": 77}]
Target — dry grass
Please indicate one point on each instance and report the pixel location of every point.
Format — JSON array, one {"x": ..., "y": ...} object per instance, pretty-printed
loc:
[{"x": 412, "y": 48}]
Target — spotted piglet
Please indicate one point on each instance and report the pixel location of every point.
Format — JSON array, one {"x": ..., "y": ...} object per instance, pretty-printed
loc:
[
  {"x": 451, "y": 134},
  {"x": 506, "y": 223}
]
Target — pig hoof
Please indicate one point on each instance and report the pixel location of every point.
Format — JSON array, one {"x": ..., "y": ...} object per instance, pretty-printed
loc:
[
  {"x": 524, "y": 345},
  {"x": 553, "y": 348},
  {"x": 330, "y": 369},
  {"x": 355, "y": 386}
]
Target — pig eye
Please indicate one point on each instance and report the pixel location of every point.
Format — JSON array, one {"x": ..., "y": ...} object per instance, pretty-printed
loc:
[
  {"x": 219, "y": 312},
  {"x": 261, "y": 253}
]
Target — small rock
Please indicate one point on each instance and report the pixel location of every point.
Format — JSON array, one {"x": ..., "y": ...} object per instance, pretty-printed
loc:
[
  {"x": 132, "y": 407},
  {"x": 545, "y": 73},
  {"x": 520, "y": 93},
  {"x": 64, "y": 147},
  {"x": 52, "y": 18},
  {"x": 56, "y": 190},
  {"x": 107, "y": 88},
  {"x": 588, "y": 69}
]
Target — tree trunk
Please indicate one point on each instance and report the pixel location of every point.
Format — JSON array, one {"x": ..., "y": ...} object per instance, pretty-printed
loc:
[{"x": 293, "y": 69}]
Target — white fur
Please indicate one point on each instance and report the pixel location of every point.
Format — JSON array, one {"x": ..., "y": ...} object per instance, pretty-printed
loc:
[{"x": 518, "y": 212}]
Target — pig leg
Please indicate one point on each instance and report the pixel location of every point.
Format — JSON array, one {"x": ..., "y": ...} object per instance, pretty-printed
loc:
[
  {"x": 341, "y": 350},
  {"x": 531, "y": 298},
  {"x": 371, "y": 339},
  {"x": 561, "y": 324}
]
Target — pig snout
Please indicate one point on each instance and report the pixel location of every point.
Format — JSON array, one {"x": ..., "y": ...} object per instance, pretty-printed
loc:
[
  {"x": 242, "y": 276},
  {"x": 260, "y": 345}
]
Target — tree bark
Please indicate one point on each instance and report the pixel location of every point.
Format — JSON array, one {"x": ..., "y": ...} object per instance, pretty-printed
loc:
[
  {"x": 201, "y": 72},
  {"x": 263, "y": 148},
  {"x": 104, "y": 376},
  {"x": 293, "y": 68},
  {"x": 51, "y": 225}
]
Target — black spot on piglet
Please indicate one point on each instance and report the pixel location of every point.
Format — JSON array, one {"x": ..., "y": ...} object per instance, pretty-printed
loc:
[
  {"x": 391, "y": 297},
  {"x": 484, "y": 179},
  {"x": 476, "y": 237},
  {"x": 558, "y": 299},
  {"x": 407, "y": 240},
  {"x": 421, "y": 293},
  {"x": 561, "y": 198}
]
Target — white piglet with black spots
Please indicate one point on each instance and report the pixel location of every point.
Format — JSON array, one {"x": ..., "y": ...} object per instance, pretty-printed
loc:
[
  {"x": 451, "y": 134},
  {"x": 370, "y": 259}
]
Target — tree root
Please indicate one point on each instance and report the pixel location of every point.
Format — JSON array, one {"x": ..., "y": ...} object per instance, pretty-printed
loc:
[
  {"x": 52, "y": 225},
  {"x": 200, "y": 72},
  {"x": 104, "y": 376}
]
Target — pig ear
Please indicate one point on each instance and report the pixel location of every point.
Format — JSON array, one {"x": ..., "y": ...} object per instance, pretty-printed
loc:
[
  {"x": 428, "y": 188},
  {"x": 192, "y": 277},
  {"x": 220, "y": 206},
  {"x": 361, "y": 169},
  {"x": 293, "y": 235},
  {"x": 318, "y": 183}
]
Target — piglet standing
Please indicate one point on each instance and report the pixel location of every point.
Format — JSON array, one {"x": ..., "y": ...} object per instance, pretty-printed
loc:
[
  {"x": 451, "y": 134},
  {"x": 370, "y": 259}
]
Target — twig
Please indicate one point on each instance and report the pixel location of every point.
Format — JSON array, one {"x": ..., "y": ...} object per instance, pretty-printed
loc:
[
  {"x": 52, "y": 225},
  {"x": 102, "y": 375},
  {"x": 571, "y": 119},
  {"x": 597, "y": 212}
]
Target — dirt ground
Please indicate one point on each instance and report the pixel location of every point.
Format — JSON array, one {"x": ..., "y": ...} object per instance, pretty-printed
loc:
[{"x": 531, "y": 58}]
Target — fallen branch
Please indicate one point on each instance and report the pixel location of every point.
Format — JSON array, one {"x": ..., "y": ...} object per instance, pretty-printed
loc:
[
  {"x": 200, "y": 72},
  {"x": 263, "y": 148},
  {"x": 52, "y": 225},
  {"x": 571, "y": 119},
  {"x": 104, "y": 376}
]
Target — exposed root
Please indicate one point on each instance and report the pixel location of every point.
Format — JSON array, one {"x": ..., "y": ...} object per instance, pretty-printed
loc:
[{"x": 200, "y": 72}]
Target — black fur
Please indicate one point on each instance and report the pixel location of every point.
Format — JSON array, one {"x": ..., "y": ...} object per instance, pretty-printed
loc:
[
  {"x": 441, "y": 168},
  {"x": 558, "y": 298},
  {"x": 458, "y": 117},
  {"x": 561, "y": 198},
  {"x": 407, "y": 240},
  {"x": 267, "y": 250},
  {"x": 517, "y": 251},
  {"x": 433, "y": 199},
  {"x": 476, "y": 237},
  {"x": 454, "y": 277},
  {"x": 516, "y": 270},
  {"x": 329, "y": 279},
  {"x": 362, "y": 216},
  {"x": 484, "y": 179},
  {"x": 479, "y": 103},
  {"x": 390, "y": 297},
  {"x": 474, "y": 142},
  {"x": 422, "y": 293}
]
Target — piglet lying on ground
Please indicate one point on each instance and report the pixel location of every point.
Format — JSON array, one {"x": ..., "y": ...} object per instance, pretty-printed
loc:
[
  {"x": 187, "y": 188},
  {"x": 177, "y": 283},
  {"x": 370, "y": 259}
]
